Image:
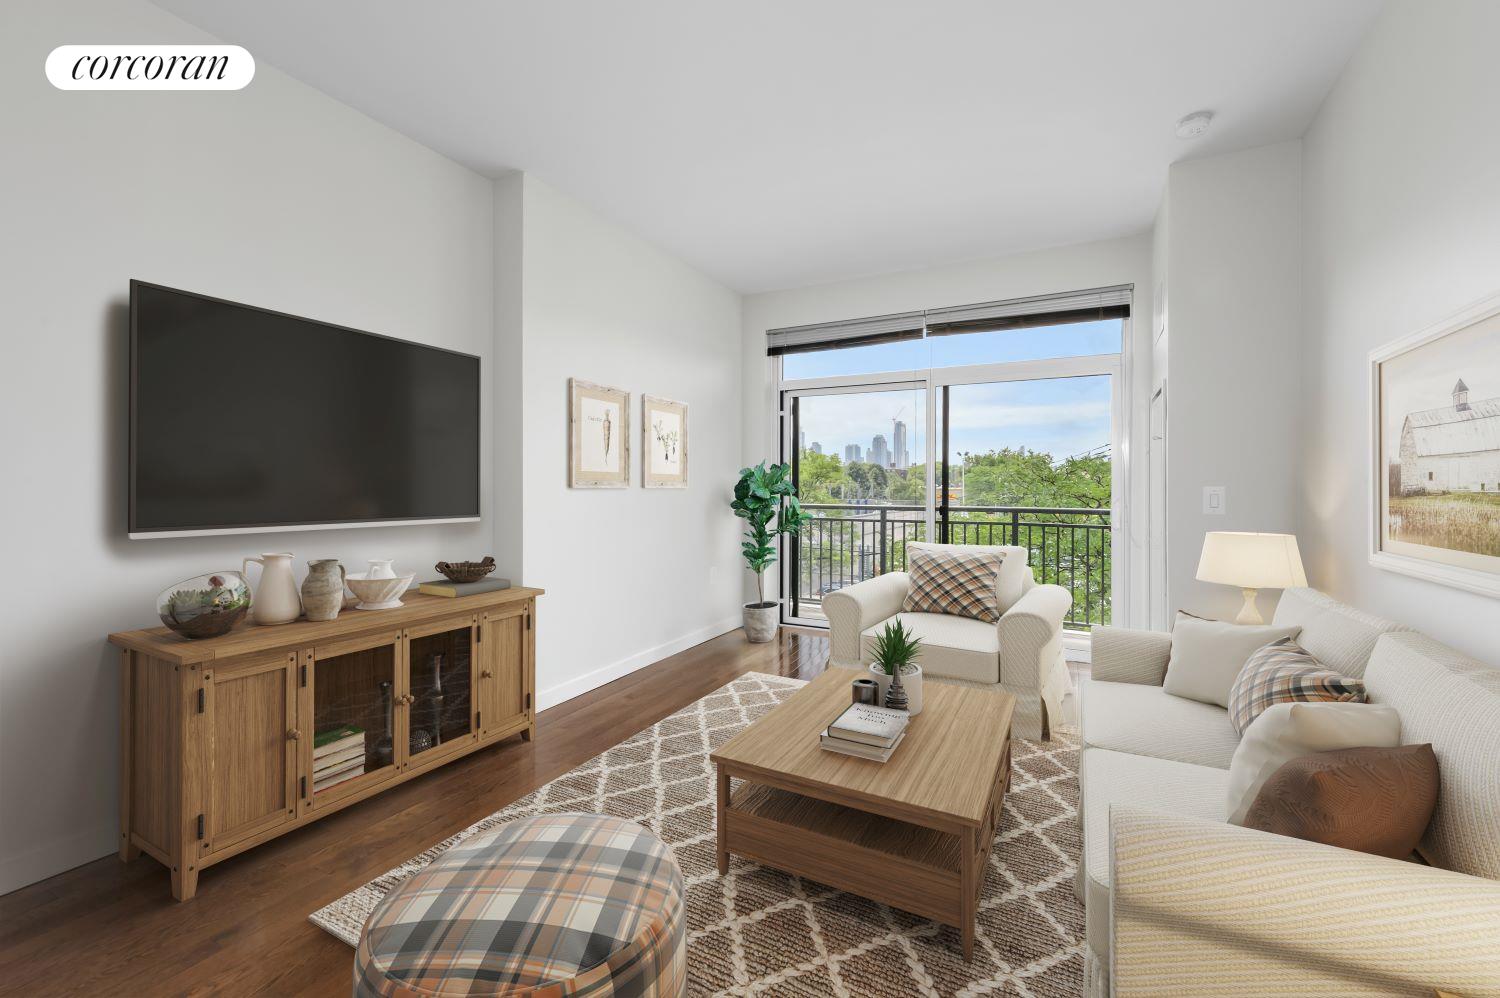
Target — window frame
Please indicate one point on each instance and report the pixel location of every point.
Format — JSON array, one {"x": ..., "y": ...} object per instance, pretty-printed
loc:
[{"x": 1117, "y": 366}]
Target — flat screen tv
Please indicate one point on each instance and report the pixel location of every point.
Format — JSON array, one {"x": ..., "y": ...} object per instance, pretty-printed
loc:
[{"x": 243, "y": 419}]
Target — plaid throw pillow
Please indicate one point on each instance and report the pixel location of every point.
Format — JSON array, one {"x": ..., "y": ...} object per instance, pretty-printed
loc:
[
  {"x": 961, "y": 583},
  {"x": 1282, "y": 672}
]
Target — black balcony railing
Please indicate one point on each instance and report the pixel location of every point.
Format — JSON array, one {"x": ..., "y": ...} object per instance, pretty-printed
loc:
[{"x": 840, "y": 545}]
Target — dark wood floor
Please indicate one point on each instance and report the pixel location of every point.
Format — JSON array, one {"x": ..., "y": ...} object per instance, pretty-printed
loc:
[{"x": 110, "y": 928}]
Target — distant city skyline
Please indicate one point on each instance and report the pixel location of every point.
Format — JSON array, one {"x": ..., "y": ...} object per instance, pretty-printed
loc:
[{"x": 1064, "y": 417}]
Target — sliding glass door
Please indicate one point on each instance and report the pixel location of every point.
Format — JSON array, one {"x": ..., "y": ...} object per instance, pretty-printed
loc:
[
  {"x": 859, "y": 459},
  {"x": 1029, "y": 462},
  {"x": 1018, "y": 453}
]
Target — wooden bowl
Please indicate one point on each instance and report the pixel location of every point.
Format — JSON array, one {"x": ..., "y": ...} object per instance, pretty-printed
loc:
[{"x": 466, "y": 571}]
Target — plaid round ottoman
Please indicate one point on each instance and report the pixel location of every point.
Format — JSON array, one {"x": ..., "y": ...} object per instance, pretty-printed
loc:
[{"x": 559, "y": 904}]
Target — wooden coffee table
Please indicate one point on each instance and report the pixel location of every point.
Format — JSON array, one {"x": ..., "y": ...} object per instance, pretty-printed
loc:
[{"x": 913, "y": 832}]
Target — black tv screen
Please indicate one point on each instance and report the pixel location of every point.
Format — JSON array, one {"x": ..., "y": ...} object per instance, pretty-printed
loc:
[{"x": 244, "y": 418}]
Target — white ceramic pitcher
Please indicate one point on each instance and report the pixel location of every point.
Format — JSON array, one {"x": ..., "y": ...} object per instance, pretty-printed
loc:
[
  {"x": 380, "y": 568},
  {"x": 274, "y": 599}
]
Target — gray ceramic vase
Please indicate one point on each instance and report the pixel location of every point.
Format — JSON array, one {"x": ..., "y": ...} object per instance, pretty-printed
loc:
[
  {"x": 761, "y": 621},
  {"x": 323, "y": 589}
]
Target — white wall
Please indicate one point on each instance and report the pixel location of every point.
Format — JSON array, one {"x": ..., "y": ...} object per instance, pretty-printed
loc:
[
  {"x": 275, "y": 195},
  {"x": 1232, "y": 250},
  {"x": 1402, "y": 227},
  {"x": 1070, "y": 268},
  {"x": 632, "y": 575},
  {"x": 507, "y": 369}
]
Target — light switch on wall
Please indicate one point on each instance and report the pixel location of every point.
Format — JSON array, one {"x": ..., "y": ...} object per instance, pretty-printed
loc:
[{"x": 1213, "y": 500}]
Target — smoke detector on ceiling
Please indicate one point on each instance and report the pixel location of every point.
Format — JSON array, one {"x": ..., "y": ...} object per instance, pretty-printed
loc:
[{"x": 1193, "y": 125}]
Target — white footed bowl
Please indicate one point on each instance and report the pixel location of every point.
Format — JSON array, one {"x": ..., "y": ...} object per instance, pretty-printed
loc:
[{"x": 377, "y": 594}]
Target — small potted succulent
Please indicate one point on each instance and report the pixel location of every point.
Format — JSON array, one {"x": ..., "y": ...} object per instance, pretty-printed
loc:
[
  {"x": 763, "y": 495},
  {"x": 895, "y": 667}
]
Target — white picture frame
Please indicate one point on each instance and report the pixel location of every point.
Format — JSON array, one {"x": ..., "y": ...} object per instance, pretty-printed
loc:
[
  {"x": 1406, "y": 416},
  {"x": 598, "y": 436},
  {"x": 664, "y": 443}
]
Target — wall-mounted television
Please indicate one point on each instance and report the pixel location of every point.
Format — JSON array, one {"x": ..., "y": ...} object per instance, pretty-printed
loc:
[{"x": 243, "y": 419}]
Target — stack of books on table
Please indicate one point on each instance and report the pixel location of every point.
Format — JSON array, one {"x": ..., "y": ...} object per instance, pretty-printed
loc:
[
  {"x": 338, "y": 755},
  {"x": 865, "y": 731}
]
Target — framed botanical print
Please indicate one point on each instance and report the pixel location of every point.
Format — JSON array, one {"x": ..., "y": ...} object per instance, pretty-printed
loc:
[
  {"x": 598, "y": 436},
  {"x": 1435, "y": 452},
  {"x": 663, "y": 443}
]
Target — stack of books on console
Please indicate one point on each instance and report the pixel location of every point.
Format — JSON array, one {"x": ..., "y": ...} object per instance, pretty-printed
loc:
[
  {"x": 338, "y": 755},
  {"x": 866, "y": 732}
]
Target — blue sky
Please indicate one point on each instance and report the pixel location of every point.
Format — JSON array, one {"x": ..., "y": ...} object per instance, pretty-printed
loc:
[{"x": 1061, "y": 416}]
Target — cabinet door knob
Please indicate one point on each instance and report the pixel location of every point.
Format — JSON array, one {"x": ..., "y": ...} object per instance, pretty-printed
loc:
[
  {"x": 486, "y": 674},
  {"x": 293, "y": 735}
]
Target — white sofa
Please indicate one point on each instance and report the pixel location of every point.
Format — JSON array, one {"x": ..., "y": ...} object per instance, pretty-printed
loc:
[
  {"x": 1021, "y": 654},
  {"x": 1178, "y": 901}
]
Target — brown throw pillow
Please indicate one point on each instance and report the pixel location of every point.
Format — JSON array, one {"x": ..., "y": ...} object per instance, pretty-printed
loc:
[
  {"x": 1374, "y": 800},
  {"x": 954, "y": 581}
]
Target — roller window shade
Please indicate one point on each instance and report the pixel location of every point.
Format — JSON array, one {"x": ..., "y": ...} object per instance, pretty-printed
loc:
[
  {"x": 848, "y": 333},
  {"x": 1022, "y": 313}
]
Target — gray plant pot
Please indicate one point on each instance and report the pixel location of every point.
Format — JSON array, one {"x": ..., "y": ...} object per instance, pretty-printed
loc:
[{"x": 761, "y": 621}]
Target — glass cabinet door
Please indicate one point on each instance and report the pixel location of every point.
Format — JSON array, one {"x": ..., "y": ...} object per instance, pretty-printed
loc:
[
  {"x": 440, "y": 708},
  {"x": 354, "y": 704}
]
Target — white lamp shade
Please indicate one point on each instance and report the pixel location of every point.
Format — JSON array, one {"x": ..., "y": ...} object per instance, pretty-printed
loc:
[{"x": 1251, "y": 561}]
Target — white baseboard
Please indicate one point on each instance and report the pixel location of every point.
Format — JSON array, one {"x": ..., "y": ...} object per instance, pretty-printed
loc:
[
  {"x": 58, "y": 856},
  {"x": 563, "y": 692}
]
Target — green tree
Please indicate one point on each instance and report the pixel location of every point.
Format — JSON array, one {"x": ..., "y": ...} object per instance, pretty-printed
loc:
[
  {"x": 820, "y": 477},
  {"x": 909, "y": 486},
  {"x": 859, "y": 477},
  {"x": 1072, "y": 549}
]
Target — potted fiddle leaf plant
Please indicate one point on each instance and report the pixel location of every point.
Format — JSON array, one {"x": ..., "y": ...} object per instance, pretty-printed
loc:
[
  {"x": 895, "y": 668},
  {"x": 767, "y": 500}
]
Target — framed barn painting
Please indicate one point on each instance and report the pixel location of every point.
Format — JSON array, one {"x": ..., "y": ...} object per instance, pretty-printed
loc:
[
  {"x": 664, "y": 443},
  {"x": 1435, "y": 452},
  {"x": 598, "y": 436}
]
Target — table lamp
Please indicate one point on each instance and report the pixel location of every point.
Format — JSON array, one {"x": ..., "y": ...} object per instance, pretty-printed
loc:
[{"x": 1250, "y": 561}]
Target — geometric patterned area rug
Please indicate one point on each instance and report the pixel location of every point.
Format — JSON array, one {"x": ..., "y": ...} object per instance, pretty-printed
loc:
[{"x": 762, "y": 932}]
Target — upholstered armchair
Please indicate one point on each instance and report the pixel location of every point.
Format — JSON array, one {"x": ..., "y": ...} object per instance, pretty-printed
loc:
[{"x": 1021, "y": 654}]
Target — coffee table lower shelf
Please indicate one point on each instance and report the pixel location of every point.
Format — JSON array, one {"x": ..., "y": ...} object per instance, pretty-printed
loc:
[{"x": 907, "y": 866}]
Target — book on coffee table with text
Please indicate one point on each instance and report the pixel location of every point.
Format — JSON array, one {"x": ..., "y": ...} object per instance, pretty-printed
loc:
[{"x": 877, "y": 726}]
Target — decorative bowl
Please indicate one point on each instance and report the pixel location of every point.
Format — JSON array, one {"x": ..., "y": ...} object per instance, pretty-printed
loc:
[
  {"x": 466, "y": 571},
  {"x": 205, "y": 606},
  {"x": 377, "y": 594}
]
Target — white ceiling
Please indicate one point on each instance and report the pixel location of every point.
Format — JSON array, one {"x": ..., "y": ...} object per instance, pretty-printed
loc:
[{"x": 777, "y": 143}]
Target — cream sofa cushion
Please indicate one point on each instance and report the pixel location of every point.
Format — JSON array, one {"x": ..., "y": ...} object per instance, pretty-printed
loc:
[
  {"x": 952, "y": 647},
  {"x": 1286, "y": 731},
  {"x": 1109, "y": 778},
  {"x": 1207, "y": 655},
  {"x": 1338, "y": 635},
  {"x": 1147, "y": 720},
  {"x": 1452, "y": 702}
]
